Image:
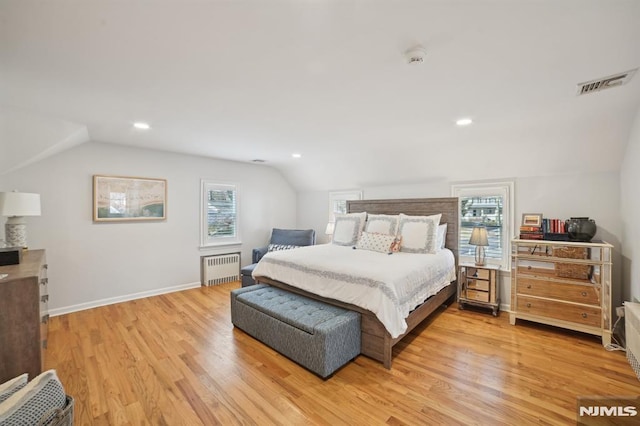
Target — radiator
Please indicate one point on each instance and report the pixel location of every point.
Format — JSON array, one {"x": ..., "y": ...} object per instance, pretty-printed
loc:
[
  {"x": 632, "y": 332},
  {"x": 220, "y": 269}
]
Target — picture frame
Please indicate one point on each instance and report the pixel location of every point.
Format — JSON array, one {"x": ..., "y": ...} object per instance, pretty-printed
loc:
[
  {"x": 532, "y": 219},
  {"x": 123, "y": 198}
]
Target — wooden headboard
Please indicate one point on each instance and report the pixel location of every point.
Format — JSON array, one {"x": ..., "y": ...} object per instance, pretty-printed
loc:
[{"x": 416, "y": 207}]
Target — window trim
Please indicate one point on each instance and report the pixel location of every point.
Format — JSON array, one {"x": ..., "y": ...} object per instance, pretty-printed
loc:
[
  {"x": 504, "y": 188},
  {"x": 205, "y": 240},
  {"x": 341, "y": 196}
]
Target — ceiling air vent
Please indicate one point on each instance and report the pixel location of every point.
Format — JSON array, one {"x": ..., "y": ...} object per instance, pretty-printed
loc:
[{"x": 605, "y": 82}]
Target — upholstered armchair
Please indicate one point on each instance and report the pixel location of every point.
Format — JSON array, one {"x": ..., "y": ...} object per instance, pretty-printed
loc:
[{"x": 280, "y": 238}]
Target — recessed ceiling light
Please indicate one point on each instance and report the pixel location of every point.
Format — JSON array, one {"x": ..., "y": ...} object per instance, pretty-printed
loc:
[
  {"x": 464, "y": 121},
  {"x": 296, "y": 155},
  {"x": 142, "y": 126}
]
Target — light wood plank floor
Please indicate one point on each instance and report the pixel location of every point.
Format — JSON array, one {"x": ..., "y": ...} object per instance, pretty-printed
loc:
[{"x": 176, "y": 359}]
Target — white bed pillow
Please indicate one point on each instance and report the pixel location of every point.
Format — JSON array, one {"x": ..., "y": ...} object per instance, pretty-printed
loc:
[
  {"x": 419, "y": 233},
  {"x": 347, "y": 228},
  {"x": 442, "y": 236},
  {"x": 382, "y": 224},
  {"x": 26, "y": 406},
  {"x": 12, "y": 386},
  {"x": 375, "y": 242}
]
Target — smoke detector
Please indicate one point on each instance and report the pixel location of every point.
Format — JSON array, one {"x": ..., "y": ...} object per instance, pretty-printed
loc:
[
  {"x": 415, "y": 55},
  {"x": 605, "y": 82}
]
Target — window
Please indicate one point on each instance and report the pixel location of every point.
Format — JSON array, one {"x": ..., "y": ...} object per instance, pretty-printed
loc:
[
  {"x": 219, "y": 214},
  {"x": 338, "y": 202},
  {"x": 489, "y": 204}
]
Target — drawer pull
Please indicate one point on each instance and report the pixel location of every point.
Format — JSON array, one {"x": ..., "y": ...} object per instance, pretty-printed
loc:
[
  {"x": 528, "y": 305},
  {"x": 584, "y": 315},
  {"x": 529, "y": 286},
  {"x": 44, "y": 344},
  {"x": 45, "y": 318},
  {"x": 529, "y": 267},
  {"x": 45, "y": 266},
  {"x": 45, "y": 298},
  {"x": 44, "y": 281},
  {"x": 584, "y": 294}
]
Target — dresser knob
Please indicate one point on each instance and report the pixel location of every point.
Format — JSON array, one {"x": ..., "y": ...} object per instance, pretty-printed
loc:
[
  {"x": 584, "y": 294},
  {"x": 44, "y": 281},
  {"x": 529, "y": 267},
  {"x": 584, "y": 315},
  {"x": 45, "y": 298},
  {"x": 45, "y": 318},
  {"x": 529, "y": 286},
  {"x": 45, "y": 266},
  {"x": 528, "y": 305}
]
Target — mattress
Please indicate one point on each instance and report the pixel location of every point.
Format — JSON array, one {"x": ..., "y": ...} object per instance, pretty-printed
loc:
[{"x": 388, "y": 285}]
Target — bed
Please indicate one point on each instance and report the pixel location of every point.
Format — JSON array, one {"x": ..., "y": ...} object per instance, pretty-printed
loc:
[{"x": 377, "y": 342}]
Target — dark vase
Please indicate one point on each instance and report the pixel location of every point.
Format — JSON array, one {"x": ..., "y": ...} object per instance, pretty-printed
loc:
[{"x": 580, "y": 228}]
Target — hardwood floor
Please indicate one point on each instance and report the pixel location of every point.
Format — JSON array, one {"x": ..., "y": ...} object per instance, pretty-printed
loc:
[{"x": 176, "y": 359}]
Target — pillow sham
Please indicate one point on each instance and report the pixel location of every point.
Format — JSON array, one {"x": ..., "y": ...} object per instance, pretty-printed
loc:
[
  {"x": 419, "y": 233},
  {"x": 376, "y": 242},
  {"x": 278, "y": 247},
  {"x": 12, "y": 386},
  {"x": 347, "y": 228},
  {"x": 382, "y": 224},
  {"x": 442, "y": 234}
]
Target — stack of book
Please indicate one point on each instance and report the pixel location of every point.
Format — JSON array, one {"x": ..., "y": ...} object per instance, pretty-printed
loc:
[
  {"x": 531, "y": 233},
  {"x": 553, "y": 226}
]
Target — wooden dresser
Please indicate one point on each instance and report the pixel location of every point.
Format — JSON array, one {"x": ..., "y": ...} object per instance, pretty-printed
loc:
[
  {"x": 24, "y": 316},
  {"x": 565, "y": 284}
]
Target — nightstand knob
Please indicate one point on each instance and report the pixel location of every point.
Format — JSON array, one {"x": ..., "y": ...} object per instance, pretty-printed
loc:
[
  {"x": 584, "y": 315},
  {"x": 584, "y": 294},
  {"x": 529, "y": 267},
  {"x": 528, "y": 305}
]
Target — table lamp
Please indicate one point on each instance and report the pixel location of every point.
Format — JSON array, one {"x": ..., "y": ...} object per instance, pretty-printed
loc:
[
  {"x": 16, "y": 205},
  {"x": 479, "y": 238},
  {"x": 329, "y": 229}
]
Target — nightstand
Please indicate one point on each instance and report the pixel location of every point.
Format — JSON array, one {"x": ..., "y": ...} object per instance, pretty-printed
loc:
[{"x": 478, "y": 286}]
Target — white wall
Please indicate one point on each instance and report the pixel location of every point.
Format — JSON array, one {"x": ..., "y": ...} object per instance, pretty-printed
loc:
[
  {"x": 596, "y": 195},
  {"x": 94, "y": 261},
  {"x": 630, "y": 207}
]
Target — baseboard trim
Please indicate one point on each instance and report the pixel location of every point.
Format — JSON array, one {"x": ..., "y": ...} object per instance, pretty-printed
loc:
[{"x": 118, "y": 299}]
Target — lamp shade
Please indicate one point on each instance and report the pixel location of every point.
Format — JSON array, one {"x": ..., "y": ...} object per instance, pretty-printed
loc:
[
  {"x": 19, "y": 204},
  {"x": 329, "y": 229},
  {"x": 479, "y": 236}
]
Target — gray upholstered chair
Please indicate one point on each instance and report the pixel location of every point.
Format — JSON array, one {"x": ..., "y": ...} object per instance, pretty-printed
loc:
[{"x": 282, "y": 237}]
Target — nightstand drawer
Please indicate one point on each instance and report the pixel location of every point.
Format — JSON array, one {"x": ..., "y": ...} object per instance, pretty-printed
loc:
[
  {"x": 586, "y": 315},
  {"x": 479, "y": 273},
  {"x": 480, "y": 296},
  {"x": 477, "y": 284},
  {"x": 577, "y": 293}
]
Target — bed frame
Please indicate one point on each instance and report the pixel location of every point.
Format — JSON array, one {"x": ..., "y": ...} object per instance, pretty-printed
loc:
[{"x": 377, "y": 343}]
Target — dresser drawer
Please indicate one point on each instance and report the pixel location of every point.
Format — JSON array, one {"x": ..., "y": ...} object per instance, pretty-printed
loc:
[
  {"x": 586, "y": 315},
  {"x": 587, "y": 294},
  {"x": 480, "y": 296}
]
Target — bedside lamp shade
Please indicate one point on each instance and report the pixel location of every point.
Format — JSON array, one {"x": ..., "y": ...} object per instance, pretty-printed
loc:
[
  {"x": 480, "y": 239},
  {"x": 329, "y": 229},
  {"x": 16, "y": 205}
]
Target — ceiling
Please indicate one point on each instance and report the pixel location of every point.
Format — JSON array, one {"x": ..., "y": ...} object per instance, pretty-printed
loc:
[{"x": 262, "y": 79}]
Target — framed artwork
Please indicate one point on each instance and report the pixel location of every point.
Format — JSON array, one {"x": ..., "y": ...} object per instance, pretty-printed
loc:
[
  {"x": 532, "y": 219},
  {"x": 120, "y": 198}
]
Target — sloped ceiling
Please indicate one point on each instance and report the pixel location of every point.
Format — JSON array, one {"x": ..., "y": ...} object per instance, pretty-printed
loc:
[{"x": 262, "y": 79}]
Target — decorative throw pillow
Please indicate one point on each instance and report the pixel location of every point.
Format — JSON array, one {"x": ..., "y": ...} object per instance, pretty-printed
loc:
[
  {"x": 347, "y": 228},
  {"x": 278, "y": 247},
  {"x": 12, "y": 386},
  {"x": 375, "y": 242},
  {"x": 419, "y": 233},
  {"x": 26, "y": 407},
  {"x": 442, "y": 234},
  {"x": 382, "y": 224}
]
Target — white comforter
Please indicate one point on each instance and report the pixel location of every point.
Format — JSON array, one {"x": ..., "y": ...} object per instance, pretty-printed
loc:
[{"x": 390, "y": 286}]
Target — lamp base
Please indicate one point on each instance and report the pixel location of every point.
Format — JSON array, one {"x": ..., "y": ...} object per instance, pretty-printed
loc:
[
  {"x": 15, "y": 232},
  {"x": 480, "y": 256}
]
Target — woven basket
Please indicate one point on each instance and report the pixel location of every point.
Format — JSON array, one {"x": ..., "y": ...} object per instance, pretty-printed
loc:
[
  {"x": 570, "y": 270},
  {"x": 59, "y": 416}
]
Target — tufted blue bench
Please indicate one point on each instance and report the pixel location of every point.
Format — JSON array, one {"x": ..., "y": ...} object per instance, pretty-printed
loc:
[{"x": 318, "y": 336}]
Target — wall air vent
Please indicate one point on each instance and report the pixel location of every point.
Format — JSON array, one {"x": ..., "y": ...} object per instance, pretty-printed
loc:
[{"x": 605, "y": 82}]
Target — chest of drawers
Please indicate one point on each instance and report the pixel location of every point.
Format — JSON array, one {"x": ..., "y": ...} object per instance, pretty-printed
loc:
[{"x": 24, "y": 316}]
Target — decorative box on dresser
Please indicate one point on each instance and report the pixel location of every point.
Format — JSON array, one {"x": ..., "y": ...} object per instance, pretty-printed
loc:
[
  {"x": 564, "y": 284},
  {"x": 24, "y": 316}
]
